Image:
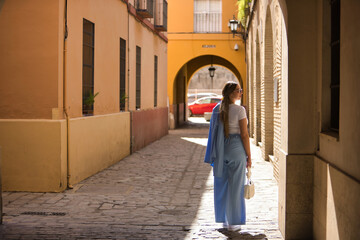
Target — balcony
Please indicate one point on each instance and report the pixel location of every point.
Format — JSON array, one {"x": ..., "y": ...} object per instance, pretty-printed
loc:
[
  {"x": 161, "y": 15},
  {"x": 145, "y": 8}
]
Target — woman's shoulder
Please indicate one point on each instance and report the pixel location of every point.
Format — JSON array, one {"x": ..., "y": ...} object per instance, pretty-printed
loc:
[{"x": 237, "y": 107}]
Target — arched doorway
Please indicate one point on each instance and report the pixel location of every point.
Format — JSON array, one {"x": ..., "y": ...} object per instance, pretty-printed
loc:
[
  {"x": 257, "y": 99},
  {"x": 180, "y": 85},
  {"x": 267, "y": 92}
]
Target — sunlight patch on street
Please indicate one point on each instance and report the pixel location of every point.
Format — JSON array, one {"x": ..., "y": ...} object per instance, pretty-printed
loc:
[
  {"x": 200, "y": 141},
  {"x": 198, "y": 120}
]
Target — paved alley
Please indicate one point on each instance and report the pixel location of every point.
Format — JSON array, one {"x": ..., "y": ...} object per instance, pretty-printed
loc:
[{"x": 164, "y": 191}]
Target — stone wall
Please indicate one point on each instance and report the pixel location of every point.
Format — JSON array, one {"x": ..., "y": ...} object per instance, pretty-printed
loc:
[
  {"x": 265, "y": 80},
  {"x": 317, "y": 167}
]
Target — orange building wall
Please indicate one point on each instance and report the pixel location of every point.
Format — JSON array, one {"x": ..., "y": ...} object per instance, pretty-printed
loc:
[
  {"x": 111, "y": 24},
  {"x": 30, "y": 58},
  {"x": 150, "y": 46},
  {"x": 31, "y": 87},
  {"x": 185, "y": 46}
]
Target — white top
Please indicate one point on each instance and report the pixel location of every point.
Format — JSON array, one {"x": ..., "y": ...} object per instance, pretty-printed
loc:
[{"x": 236, "y": 113}]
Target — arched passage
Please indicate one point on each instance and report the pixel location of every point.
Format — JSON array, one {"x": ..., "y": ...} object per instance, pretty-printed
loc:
[
  {"x": 182, "y": 79},
  {"x": 257, "y": 103},
  {"x": 267, "y": 93}
]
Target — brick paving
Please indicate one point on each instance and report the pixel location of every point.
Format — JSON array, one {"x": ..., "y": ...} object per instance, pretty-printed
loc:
[{"x": 163, "y": 191}]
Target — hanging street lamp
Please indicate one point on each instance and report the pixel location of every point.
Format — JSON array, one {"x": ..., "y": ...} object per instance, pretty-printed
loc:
[
  {"x": 212, "y": 71},
  {"x": 212, "y": 74}
]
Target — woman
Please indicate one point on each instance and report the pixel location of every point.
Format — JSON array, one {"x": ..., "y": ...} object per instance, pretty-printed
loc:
[{"x": 228, "y": 151}]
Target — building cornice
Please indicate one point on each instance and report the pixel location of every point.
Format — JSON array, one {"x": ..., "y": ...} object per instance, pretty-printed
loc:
[{"x": 144, "y": 21}]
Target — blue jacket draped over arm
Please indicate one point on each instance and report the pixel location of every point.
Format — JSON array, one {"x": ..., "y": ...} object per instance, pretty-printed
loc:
[{"x": 214, "y": 154}]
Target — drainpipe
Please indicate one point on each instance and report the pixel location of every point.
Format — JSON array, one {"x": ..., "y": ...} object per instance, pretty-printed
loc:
[
  {"x": 128, "y": 75},
  {"x": 64, "y": 99}
]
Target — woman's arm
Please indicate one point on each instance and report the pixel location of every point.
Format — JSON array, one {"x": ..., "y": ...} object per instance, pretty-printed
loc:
[{"x": 245, "y": 139}]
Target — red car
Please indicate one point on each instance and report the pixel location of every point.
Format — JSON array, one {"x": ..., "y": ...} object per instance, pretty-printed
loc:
[{"x": 202, "y": 105}]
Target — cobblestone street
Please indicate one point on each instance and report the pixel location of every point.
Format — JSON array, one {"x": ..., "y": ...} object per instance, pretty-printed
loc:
[{"x": 164, "y": 191}]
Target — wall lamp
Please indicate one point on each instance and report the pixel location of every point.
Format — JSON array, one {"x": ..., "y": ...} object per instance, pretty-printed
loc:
[{"x": 234, "y": 24}]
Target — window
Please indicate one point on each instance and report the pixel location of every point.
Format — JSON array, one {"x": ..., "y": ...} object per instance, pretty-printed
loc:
[
  {"x": 204, "y": 101},
  {"x": 335, "y": 64},
  {"x": 122, "y": 92},
  {"x": 207, "y": 15},
  {"x": 138, "y": 77},
  {"x": 155, "y": 79},
  {"x": 215, "y": 100},
  {"x": 88, "y": 68}
]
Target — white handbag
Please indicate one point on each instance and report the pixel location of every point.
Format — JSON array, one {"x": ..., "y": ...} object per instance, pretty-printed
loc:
[{"x": 249, "y": 189}]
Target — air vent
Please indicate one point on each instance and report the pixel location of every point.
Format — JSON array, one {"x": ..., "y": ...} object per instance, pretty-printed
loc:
[{"x": 44, "y": 213}]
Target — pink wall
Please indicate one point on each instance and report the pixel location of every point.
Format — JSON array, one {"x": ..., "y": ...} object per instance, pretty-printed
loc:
[{"x": 148, "y": 126}]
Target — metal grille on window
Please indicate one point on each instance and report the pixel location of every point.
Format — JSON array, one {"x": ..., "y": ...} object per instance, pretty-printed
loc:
[
  {"x": 138, "y": 77},
  {"x": 145, "y": 8},
  {"x": 207, "y": 16},
  {"x": 155, "y": 79},
  {"x": 122, "y": 74},
  {"x": 335, "y": 64},
  {"x": 88, "y": 67},
  {"x": 161, "y": 15}
]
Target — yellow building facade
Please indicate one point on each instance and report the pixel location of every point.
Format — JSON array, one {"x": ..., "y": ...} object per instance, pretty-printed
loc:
[
  {"x": 199, "y": 36},
  {"x": 55, "y": 57}
]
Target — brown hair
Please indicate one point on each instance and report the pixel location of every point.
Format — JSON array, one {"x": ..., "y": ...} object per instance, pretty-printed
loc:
[{"x": 224, "y": 107}]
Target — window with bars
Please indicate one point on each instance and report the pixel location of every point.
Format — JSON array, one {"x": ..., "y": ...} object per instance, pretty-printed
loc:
[
  {"x": 122, "y": 94},
  {"x": 155, "y": 79},
  {"x": 88, "y": 68},
  {"x": 207, "y": 16},
  {"x": 138, "y": 77},
  {"x": 335, "y": 64}
]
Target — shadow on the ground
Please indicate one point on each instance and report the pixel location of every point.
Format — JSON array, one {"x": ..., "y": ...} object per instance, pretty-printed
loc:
[
  {"x": 240, "y": 235},
  {"x": 155, "y": 193}
]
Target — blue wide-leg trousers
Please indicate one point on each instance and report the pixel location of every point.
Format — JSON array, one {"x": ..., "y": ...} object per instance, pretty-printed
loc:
[{"x": 229, "y": 189}]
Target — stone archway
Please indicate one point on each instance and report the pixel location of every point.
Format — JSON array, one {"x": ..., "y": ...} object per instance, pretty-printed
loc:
[
  {"x": 267, "y": 92},
  {"x": 251, "y": 88},
  {"x": 182, "y": 79}
]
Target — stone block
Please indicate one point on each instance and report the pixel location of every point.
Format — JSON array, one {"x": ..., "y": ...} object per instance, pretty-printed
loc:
[
  {"x": 299, "y": 169},
  {"x": 343, "y": 197},
  {"x": 299, "y": 226},
  {"x": 320, "y": 175},
  {"x": 319, "y": 230},
  {"x": 320, "y": 205},
  {"x": 282, "y": 188},
  {"x": 299, "y": 198}
]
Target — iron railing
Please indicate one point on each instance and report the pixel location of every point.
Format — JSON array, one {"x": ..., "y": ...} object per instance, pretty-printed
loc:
[
  {"x": 161, "y": 16},
  {"x": 145, "y": 8}
]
